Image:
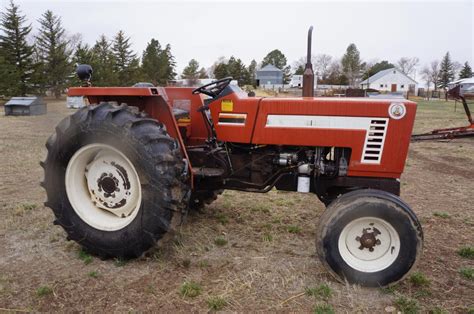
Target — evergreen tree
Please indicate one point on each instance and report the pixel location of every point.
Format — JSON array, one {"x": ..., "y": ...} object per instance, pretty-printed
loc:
[
  {"x": 299, "y": 70},
  {"x": 253, "y": 73},
  {"x": 202, "y": 74},
  {"x": 466, "y": 71},
  {"x": 238, "y": 71},
  {"x": 351, "y": 64},
  {"x": 152, "y": 63},
  {"x": 220, "y": 71},
  {"x": 104, "y": 62},
  {"x": 157, "y": 63},
  {"x": 446, "y": 71},
  {"x": 377, "y": 67},
  {"x": 126, "y": 63},
  {"x": 169, "y": 63},
  {"x": 83, "y": 54},
  {"x": 53, "y": 54},
  {"x": 17, "y": 56},
  {"x": 190, "y": 72}
]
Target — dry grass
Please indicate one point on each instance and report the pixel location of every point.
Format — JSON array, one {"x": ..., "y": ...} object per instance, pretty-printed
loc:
[{"x": 263, "y": 266}]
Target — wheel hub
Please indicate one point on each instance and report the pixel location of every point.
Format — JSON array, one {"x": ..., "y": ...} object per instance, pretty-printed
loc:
[
  {"x": 368, "y": 239},
  {"x": 108, "y": 184},
  {"x": 369, "y": 244}
]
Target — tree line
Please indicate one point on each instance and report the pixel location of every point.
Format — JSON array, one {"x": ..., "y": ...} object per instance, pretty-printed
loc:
[{"x": 44, "y": 62}]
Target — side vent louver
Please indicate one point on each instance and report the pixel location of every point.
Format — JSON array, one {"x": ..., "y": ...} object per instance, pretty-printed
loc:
[{"x": 374, "y": 141}]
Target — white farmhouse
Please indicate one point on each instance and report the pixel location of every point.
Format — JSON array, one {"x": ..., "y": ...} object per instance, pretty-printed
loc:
[{"x": 390, "y": 80}]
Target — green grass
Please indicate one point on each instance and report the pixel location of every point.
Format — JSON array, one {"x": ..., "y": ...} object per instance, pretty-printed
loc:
[
  {"x": 418, "y": 279},
  {"x": 467, "y": 273},
  {"x": 390, "y": 289},
  {"x": 406, "y": 305},
  {"x": 438, "y": 310},
  {"x": 322, "y": 291},
  {"x": 93, "y": 274},
  {"x": 216, "y": 303},
  {"x": 441, "y": 215},
  {"x": 44, "y": 291},
  {"x": 466, "y": 252},
  {"x": 203, "y": 264},
  {"x": 28, "y": 206},
  {"x": 85, "y": 257},
  {"x": 190, "y": 289},
  {"x": 222, "y": 218},
  {"x": 293, "y": 229},
  {"x": 267, "y": 237},
  {"x": 220, "y": 241},
  {"x": 323, "y": 309}
]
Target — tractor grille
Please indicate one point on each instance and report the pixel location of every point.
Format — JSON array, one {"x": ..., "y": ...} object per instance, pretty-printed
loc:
[{"x": 374, "y": 141}]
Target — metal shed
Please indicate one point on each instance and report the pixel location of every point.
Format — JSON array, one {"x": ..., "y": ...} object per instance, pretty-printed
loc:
[
  {"x": 25, "y": 106},
  {"x": 269, "y": 75}
]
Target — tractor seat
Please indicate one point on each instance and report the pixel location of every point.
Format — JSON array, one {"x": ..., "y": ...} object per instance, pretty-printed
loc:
[{"x": 180, "y": 113}]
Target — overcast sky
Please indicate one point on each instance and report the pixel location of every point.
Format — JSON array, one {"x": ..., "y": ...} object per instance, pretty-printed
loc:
[{"x": 249, "y": 29}]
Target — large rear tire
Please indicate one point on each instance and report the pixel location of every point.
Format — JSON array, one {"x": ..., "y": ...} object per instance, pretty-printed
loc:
[
  {"x": 115, "y": 180},
  {"x": 369, "y": 237}
]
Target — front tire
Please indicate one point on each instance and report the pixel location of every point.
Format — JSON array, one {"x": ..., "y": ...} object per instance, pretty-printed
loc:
[
  {"x": 369, "y": 237},
  {"x": 115, "y": 180}
]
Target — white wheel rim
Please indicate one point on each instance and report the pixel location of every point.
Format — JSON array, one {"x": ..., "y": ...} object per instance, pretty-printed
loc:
[
  {"x": 369, "y": 244},
  {"x": 103, "y": 187}
]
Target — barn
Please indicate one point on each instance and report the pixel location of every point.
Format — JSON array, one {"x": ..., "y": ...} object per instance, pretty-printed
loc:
[
  {"x": 269, "y": 76},
  {"x": 390, "y": 80}
]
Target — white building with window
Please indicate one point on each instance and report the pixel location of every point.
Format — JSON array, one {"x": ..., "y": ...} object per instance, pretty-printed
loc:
[{"x": 390, "y": 80}]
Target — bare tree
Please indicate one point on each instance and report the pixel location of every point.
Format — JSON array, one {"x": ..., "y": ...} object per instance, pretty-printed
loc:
[
  {"x": 407, "y": 65},
  {"x": 431, "y": 75},
  {"x": 456, "y": 68},
  {"x": 321, "y": 65}
]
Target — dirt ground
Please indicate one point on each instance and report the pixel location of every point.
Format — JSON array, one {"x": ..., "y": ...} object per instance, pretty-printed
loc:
[{"x": 264, "y": 257}]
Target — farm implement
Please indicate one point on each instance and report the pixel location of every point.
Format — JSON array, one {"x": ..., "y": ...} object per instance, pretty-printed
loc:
[{"x": 450, "y": 133}]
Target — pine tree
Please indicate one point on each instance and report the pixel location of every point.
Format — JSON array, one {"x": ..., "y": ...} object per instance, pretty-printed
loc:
[
  {"x": 238, "y": 71},
  {"x": 221, "y": 71},
  {"x": 253, "y": 73},
  {"x": 351, "y": 64},
  {"x": 83, "y": 54},
  {"x": 103, "y": 67},
  {"x": 190, "y": 72},
  {"x": 152, "y": 63},
  {"x": 126, "y": 62},
  {"x": 466, "y": 71},
  {"x": 53, "y": 53},
  {"x": 169, "y": 64},
  {"x": 299, "y": 70},
  {"x": 202, "y": 74},
  {"x": 446, "y": 71},
  {"x": 17, "y": 54}
]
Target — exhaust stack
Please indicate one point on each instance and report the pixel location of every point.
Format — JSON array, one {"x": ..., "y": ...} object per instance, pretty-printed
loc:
[{"x": 308, "y": 75}]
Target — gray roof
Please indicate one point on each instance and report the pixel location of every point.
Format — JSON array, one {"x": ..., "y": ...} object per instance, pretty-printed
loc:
[
  {"x": 269, "y": 68},
  {"x": 24, "y": 101},
  {"x": 382, "y": 73}
]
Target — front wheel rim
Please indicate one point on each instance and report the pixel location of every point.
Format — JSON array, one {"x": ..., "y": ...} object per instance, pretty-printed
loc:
[
  {"x": 103, "y": 187},
  {"x": 369, "y": 244}
]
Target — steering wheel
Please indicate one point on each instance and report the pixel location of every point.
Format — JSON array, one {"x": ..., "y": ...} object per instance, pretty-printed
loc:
[{"x": 213, "y": 89}]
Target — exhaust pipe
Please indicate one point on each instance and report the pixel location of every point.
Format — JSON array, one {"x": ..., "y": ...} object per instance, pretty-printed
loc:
[{"x": 308, "y": 75}]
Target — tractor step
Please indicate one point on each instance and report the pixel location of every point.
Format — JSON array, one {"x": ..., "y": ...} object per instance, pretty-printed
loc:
[{"x": 208, "y": 172}]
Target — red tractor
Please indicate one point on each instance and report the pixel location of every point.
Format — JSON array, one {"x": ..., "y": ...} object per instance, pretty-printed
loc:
[{"x": 123, "y": 171}]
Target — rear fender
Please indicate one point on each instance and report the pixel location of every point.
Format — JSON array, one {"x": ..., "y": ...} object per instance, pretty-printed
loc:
[{"x": 153, "y": 101}]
